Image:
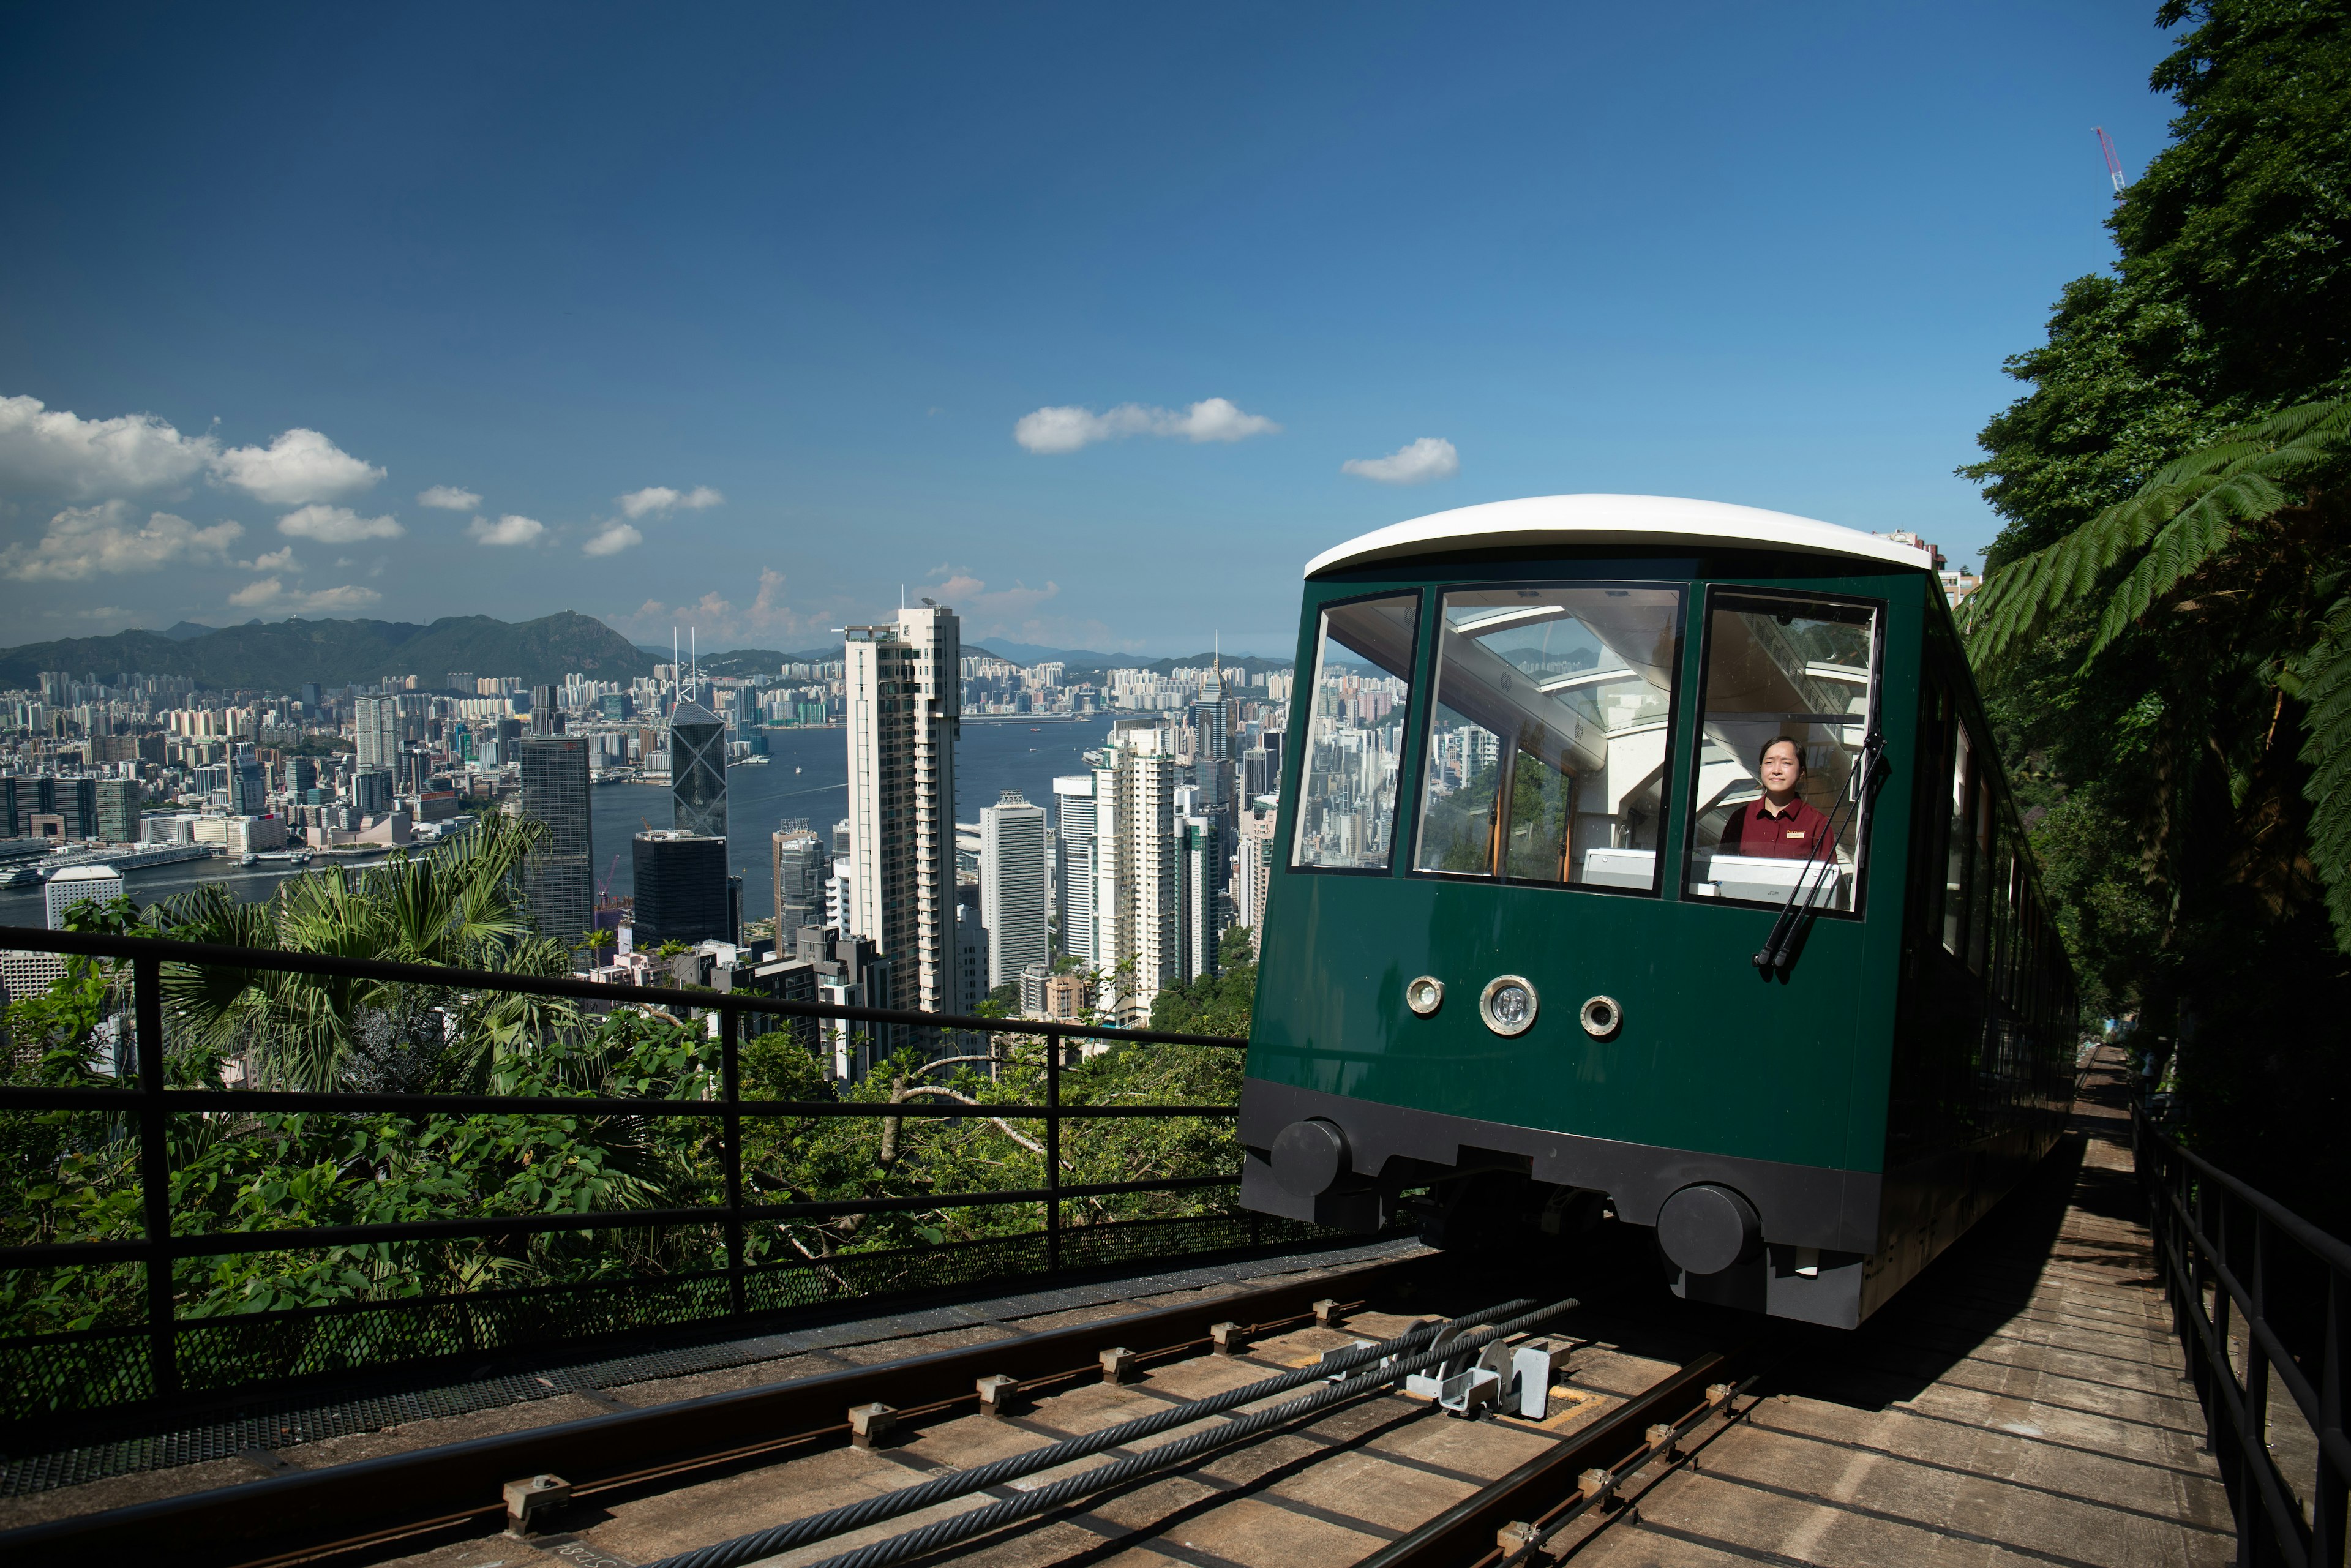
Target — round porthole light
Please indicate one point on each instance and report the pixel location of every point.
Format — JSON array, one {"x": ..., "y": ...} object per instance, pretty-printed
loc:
[
  {"x": 1424, "y": 995},
  {"x": 1602, "y": 1017},
  {"x": 1508, "y": 1004}
]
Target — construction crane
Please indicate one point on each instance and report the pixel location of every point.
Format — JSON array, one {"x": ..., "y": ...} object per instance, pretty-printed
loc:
[{"x": 2114, "y": 164}]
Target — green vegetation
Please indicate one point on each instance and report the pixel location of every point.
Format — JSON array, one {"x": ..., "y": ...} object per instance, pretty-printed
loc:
[
  {"x": 1214, "y": 1004},
  {"x": 73, "y": 1175},
  {"x": 2165, "y": 639}
]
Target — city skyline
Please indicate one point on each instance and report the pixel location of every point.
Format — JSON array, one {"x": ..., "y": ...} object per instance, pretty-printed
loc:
[{"x": 659, "y": 402}]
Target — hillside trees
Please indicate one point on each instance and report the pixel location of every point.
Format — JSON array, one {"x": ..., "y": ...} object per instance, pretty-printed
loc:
[{"x": 2161, "y": 636}]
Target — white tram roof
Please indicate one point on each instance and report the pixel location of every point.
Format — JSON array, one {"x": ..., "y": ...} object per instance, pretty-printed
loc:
[{"x": 1613, "y": 519}]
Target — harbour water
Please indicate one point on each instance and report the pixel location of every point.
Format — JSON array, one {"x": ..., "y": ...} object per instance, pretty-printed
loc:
[{"x": 807, "y": 775}]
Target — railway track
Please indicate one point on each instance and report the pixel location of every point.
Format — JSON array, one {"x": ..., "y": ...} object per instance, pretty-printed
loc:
[{"x": 1292, "y": 1424}]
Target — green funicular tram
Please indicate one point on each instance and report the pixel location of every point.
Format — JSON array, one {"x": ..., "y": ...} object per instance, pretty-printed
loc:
[{"x": 1646, "y": 857}]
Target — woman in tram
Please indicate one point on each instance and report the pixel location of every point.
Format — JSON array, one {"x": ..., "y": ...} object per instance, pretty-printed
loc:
[{"x": 1781, "y": 824}]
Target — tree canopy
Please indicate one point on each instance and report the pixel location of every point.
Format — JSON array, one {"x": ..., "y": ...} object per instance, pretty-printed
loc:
[{"x": 2163, "y": 637}]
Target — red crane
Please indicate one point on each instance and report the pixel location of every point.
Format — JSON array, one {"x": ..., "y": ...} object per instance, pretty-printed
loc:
[{"x": 2114, "y": 164}]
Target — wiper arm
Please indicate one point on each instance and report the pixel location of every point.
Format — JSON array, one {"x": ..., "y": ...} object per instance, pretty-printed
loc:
[{"x": 1778, "y": 949}]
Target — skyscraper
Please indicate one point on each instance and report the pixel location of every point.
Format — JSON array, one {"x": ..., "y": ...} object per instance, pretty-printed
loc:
[
  {"x": 681, "y": 881},
  {"x": 1012, "y": 893},
  {"x": 1253, "y": 868},
  {"x": 118, "y": 810},
  {"x": 248, "y": 788},
  {"x": 1073, "y": 867},
  {"x": 559, "y": 878},
  {"x": 697, "y": 771},
  {"x": 1199, "y": 865},
  {"x": 375, "y": 727},
  {"x": 546, "y": 710},
  {"x": 1137, "y": 902},
  {"x": 800, "y": 866},
  {"x": 904, "y": 711}
]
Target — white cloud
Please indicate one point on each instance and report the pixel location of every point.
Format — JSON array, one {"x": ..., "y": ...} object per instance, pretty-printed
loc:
[
  {"x": 55, "y": 453},
  {"x": 1067, "y": 428},
  {"x": 613, "y": 540},
  {"x": 661, "y": 499},
  {"x": 299, "y": 465},
  {"x": 276, "y": 561},
  {"x": 1430, "y": 457},
  {"x": 448, "y": 498},
  {"x": 83, "y": 542},
  {"x": 338, "y": 525},
  {"x": 509, "y": 530},
  {"x": 968, "y": 593},
  {"x": 769, "y": 619},
  {"x": 269, "y": 593}
]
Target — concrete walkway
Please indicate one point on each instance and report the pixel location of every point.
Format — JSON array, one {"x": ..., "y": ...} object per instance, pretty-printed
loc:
[{"x": 2024, "y": 1401}]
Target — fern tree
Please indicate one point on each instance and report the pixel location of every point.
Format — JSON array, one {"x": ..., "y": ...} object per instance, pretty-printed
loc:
[
  {"x": 2190, "y": 645},
  {"x": 2216, "y": 586}
]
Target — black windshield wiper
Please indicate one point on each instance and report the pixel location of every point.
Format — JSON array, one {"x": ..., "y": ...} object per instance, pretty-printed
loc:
[{"x": 1778, "y": 949}]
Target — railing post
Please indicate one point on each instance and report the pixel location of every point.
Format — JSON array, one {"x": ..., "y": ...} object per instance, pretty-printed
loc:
[
  {"x": 730, "y": 1091},
  {"x": 155, "y": 1175},
  {"x": 1053, "y": 1152},
  {"x": 2332, "y": 1488}
]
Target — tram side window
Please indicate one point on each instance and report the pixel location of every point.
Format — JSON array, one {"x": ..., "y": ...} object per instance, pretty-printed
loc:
[
  {"x": 1781, "y": 670},
  {"x": 1956, "y": 863},
  {"x": 1547, "y": 739},
  {"x": 1981, "y": 851},
  {"x": 1355, "y": 727}
]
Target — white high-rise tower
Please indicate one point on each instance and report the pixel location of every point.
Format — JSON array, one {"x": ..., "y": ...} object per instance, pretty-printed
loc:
[
  {"x": 904, "y": 710},
  {"x": 1013, "y": 899}
]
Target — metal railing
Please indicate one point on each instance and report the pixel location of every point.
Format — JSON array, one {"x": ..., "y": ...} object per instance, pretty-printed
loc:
[
  {"x": 2260, "y": 1297},
  {"x": 155, "y": 1102}
]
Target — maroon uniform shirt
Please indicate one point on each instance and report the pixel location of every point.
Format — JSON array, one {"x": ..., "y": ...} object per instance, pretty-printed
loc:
[{"x": 1796, "y": 832}]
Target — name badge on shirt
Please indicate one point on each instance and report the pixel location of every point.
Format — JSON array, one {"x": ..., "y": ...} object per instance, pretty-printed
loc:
[{"x": 1796, "y": 832}]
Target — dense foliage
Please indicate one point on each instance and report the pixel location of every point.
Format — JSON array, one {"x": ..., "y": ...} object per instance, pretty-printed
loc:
[
  {"x": 2163, "y": 639},
  {"x": 73, "y": 1175}
]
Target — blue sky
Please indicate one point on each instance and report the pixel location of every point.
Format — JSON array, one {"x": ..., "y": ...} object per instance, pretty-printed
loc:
[{"x": 733, "y": 317}]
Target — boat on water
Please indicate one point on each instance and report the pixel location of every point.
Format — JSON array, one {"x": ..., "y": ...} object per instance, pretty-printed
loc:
[{"x": 248, "y": 858}]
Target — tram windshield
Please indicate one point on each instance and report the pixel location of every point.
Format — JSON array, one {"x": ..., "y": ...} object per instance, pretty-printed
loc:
[
  {"x": 1363, "y": 680},
  {"x": 1784, "y": 710},
  {"x": 1549, "y": 737}
]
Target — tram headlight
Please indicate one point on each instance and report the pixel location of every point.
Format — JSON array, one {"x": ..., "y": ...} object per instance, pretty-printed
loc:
[
  {"x": 1424, "y": 995},
  {"x": 1509, "y": 1003}
]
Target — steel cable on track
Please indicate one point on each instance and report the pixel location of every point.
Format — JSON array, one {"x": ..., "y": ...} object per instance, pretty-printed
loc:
[{"x": 979, "y": 1521}]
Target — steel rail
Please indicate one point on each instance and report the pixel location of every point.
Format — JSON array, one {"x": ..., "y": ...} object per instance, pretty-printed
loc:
[
  {"x": 962, "y": 1527},
  {"x": 1465, "y": 1531},
  {"x": 1540, "y": 1531},
  {"x": 962, "y": 1483},
  {"x": 398, "y": 1494}
]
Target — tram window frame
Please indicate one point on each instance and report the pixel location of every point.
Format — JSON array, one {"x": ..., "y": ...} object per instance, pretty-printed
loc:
[
  {"x": 1668, "y": 766},
  {"x": 1728, "y": 596},
  {"x": 1410, "y": 708}
]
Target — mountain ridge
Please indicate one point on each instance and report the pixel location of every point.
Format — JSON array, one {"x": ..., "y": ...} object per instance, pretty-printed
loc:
[{"x": 280, "y": 655}]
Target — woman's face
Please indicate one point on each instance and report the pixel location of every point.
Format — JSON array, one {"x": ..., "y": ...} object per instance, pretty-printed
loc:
[{"x": 1782, "y": 769}]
